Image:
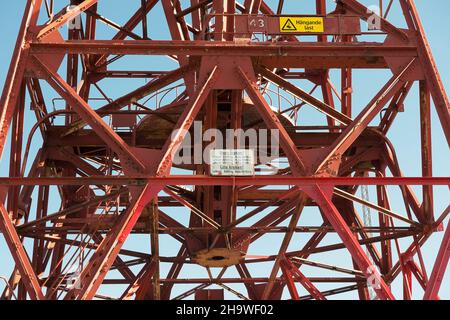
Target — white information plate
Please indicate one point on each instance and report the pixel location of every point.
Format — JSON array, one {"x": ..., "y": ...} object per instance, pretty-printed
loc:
[{"x": 232, "y": 162}]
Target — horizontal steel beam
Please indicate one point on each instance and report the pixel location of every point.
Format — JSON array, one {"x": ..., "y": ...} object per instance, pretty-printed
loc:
[
  {"x": 241, "y": 280},
  {"x": 141, "y": 180},
  {"x": 209, "y": 48}
]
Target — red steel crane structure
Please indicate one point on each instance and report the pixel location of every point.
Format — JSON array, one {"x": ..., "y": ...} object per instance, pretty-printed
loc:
[{"x": 108, "y": 165}]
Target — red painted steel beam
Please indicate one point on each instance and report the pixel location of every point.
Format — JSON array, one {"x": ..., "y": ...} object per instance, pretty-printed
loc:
[
  {"x": 132, "y": 23},
  {"x": 394, "y": 108},
  {"x": 174, "y": 271},
  {"x": 67, "y": 16},
  {"x": 275, "y": 217},
  {"x": 304, "y": 96},
  {"x": 407, "y": 282},
  {"x": 289, "y": 281},
  {"x": 275, "y": 202},
  {"x": 101, "y": 261},
  {"x": 246, "y": 280},
  {"x": 179, "y": 231},
  {"x": 71, "y": 210},
  {"x": 440, "y": 266},
  {"x": 185, "y": 122},
  {"x": 365, "y": 14},
  {"x": 178, "y": 31},
  {"x": 11, "y": 90},
  {"x": 140, "y": 180},
  {"x": 381, "y": 210},
  {"x": 140, "y": 285},
  {"x": 118, "y": 263},
  {"x": 285, "y": 243},
  {"x": 252, "y": 6},
  {"x": 429, "y": 65},
  {"x": 175, "y": 27},
  {"x": 426, "y": 148},
  {"x": 408, "y": 254},
  {"x": 147, "y": 89},
  {"x": 408, "y": 193},
  {"x": 210, "y": 48},
  {"x": 417, "y": 272},
  {"x": 350, "y": 241},
  {"x": 272, "y": 122},
  {"x": 195, "y": 6},
  {"x": 300, "y": 277},
  {"x": 353, "y": 131},
  {"x": 23, "y": 264},
  {"x": 111, "y": 138},
  {"x": 332, "y": 292},
  {"x": 313, "y": 242}
]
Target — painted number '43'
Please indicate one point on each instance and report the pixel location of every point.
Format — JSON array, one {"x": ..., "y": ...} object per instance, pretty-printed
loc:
[{"x": 257, "y": 24}]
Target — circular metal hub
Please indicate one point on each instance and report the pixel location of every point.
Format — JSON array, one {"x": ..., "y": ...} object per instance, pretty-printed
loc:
[{"x": 218, "y": 257}]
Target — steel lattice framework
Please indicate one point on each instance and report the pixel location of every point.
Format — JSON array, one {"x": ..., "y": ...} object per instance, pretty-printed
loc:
[{"x": 110, "y": 166}]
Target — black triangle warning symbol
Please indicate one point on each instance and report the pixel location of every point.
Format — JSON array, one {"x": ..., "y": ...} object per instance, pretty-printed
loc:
[{"x": 289, "y": 26}]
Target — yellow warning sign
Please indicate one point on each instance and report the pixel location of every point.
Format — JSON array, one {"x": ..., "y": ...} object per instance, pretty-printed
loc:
[{"x": 301, "y": 24}]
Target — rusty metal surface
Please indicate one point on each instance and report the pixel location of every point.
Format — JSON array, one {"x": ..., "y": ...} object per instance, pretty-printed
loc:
[{"x": 110, "y": 162}]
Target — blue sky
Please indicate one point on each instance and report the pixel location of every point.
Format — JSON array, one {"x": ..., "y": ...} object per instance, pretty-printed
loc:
[{"x": 434, "y": 14}]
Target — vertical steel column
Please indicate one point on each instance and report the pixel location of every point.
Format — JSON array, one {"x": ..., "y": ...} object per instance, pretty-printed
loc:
[
  {"x": 154, "y": 233},
  {"x": 427, "y": 152}
]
